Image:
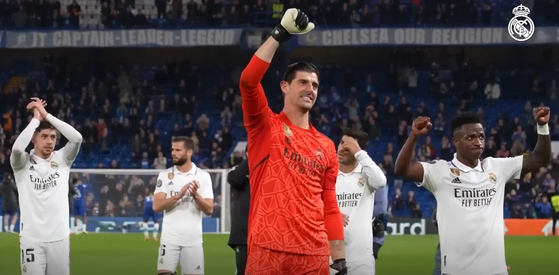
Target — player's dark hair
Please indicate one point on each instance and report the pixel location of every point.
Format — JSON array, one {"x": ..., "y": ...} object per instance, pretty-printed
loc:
[
  {"x": 460, "y": 120},
  {"x": 44, "y": 125},
  {"x": 292, "y": 70},
  {"x": 75, "y": 180},
  {"x": 361, "y": 137},
  {"x": 188, "y": 143}
]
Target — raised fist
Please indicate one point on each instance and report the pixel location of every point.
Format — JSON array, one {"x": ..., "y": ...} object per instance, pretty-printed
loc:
[
  {"x": 421, "y": 125},
  {"x": 294, "y": 21},
  {"x": 541, "y": 115}
]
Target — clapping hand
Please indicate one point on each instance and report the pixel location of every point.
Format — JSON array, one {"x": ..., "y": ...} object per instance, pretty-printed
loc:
[
  {"x": 194, "y": 188},
  {"x": 37, "y": 105}
]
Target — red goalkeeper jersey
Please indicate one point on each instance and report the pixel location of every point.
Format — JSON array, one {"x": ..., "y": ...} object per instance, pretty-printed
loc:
[{"x": 293, "y": 174}]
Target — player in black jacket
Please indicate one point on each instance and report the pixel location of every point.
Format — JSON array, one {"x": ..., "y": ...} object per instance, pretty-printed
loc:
[
  {"x": 10, "y": 206},
  {"x": 240, "y": 205}
]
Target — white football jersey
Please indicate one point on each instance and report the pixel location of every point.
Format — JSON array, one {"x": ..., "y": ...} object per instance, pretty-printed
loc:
[
  {"x": 356, "y": 198},
  {"x": 42, "y": 185},
  {"x": 470, "y": 212},
  {"x": 182, "y": 225}
]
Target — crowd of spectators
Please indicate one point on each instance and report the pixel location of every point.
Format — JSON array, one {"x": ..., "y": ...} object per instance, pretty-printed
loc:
[
  {"x": 122, "y": 103},
  {"x": 118, "y": 105},
  {"x": 258, "y": 13}
]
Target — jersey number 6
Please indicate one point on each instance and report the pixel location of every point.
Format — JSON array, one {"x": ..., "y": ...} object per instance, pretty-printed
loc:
[{"x": 27, "y": 255}]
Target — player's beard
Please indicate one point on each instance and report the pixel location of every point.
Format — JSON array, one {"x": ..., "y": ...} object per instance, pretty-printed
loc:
[{"x": 179, "y": 161}]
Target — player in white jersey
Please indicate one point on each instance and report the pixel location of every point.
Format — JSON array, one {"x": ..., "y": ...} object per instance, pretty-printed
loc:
[
  {"x": 358, "y": 178},
  {"x": 185, "y": 193},
  {"x": 42, "y": 181},
  {"x": 470, "y": 192}
]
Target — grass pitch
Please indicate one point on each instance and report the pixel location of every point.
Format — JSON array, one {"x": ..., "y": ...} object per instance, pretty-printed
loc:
[{"x": 123, "y": 254}]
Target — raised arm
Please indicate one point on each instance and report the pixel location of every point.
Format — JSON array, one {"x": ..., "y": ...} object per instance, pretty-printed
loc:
[
  {"x": 332, "y": 216},
  {"x": 375, "y": 177},
  {"x": 74, "y": 137},
  {"x": 19, "y": 156},
  {"x": 541, "y": 155},
  {"x": 404, "y": 167},
  {"x": 254, "y": 102}
]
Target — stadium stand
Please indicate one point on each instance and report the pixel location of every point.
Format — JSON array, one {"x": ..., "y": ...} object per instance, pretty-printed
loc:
[
  {"x": 128, "y": 113},
  {"x": 95, "y": 14}
]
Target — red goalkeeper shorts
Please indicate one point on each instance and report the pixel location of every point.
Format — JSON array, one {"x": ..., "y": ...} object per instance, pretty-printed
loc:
[{"x": 262, "y": 261}]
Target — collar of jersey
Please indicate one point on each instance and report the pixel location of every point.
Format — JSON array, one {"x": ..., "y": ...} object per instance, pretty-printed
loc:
[
  {"x": 285, "y": 119},
  {"x": 36, "y": 158},
  {"x": 192, "y": 170},
  {"x": 357, "y": 170},
  {"x": 463, "y": 167}
]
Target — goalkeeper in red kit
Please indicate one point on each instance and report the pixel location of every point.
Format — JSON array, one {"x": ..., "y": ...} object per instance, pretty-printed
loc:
[{"x": 294, "y": 222}]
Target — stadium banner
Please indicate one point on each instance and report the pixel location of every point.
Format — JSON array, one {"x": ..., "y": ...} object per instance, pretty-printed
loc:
[
  {"x": 122, "y": 38},
  {"x": 529, "y": 227},
  {"x": 410, "y": 226},
  {"x": 422, "y": 36}
]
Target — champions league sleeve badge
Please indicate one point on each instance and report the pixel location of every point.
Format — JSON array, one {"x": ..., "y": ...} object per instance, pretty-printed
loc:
[
  {"x": 521, "y": 27},
  {"x": 159, "y": 183}
]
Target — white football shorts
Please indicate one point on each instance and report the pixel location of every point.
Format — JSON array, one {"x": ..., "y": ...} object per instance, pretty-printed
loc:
[
  {"x": 38, "y": 258},
  {"x": 190, "y": 258}
]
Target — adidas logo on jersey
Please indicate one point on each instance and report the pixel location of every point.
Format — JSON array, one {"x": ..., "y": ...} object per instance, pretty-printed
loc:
[
  {"x": 198, "y": 268},
  {"x": 456, "y": 180},
  {"x": 171, "y": 183},
  {"x": 32, "y": 168}
]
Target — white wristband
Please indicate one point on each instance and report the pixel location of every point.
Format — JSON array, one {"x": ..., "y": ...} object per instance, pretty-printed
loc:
[{"x": 543, "y": 130}]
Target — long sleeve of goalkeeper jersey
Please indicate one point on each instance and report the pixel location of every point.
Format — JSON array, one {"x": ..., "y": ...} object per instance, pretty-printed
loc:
[
  {"x": 254, "y": 102},
  {"x": 18, "y": 155},
  {"x": 332, "y": 216},
  {"x": 71, "y": 149}
]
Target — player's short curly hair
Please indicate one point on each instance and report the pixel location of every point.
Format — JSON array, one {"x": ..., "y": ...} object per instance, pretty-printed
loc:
[
  {"x": 361, "y": 137},
  {"x": 292, "y": 70},
  {"x": 460, "y": 120}
]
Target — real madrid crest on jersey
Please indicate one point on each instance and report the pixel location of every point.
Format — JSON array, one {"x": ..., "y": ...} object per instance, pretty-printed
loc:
[
  {"x": 455, "y": 171},
  {"x": 492, "y": 178},
  {"x": 171, "y": 176},
  {"x": 287, "y": 131},
  {"x": 521, "y": 27},
  {"x": 361, "y": 182},
  {"x": 53, "y": 164}
]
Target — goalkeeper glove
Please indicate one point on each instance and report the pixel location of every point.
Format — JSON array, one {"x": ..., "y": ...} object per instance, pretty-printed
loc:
[
  {"x": 378, "y": 228},
  {"x": 340, "y": 266},
  {"x": 294, "y": 21}
]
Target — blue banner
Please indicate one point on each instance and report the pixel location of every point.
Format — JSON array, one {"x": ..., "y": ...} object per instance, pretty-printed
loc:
[
  {"x": 252, "y": 38},
  {"x": 122, "y": 38},
  {"x": 422, "y": 37},
  {"x": 129, "y": 224}
]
